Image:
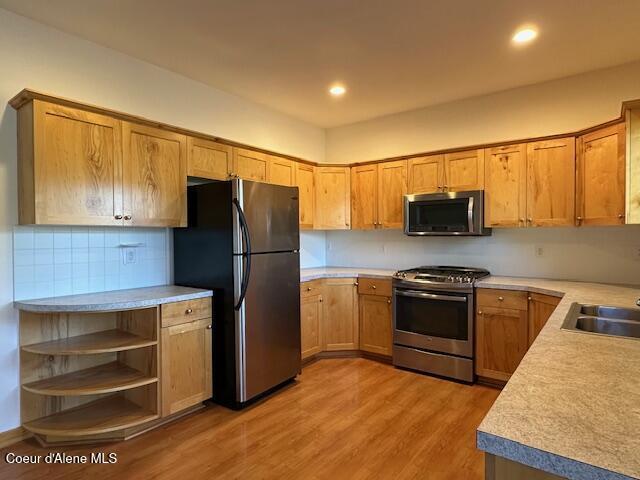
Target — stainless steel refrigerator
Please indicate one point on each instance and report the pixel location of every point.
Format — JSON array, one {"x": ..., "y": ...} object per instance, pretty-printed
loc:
[{"x": 242, "y": 241}]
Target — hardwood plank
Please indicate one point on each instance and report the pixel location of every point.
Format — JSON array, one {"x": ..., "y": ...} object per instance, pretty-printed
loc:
[
  {"x": 107, "y": 378},
  {"x": 343, "y": 418},
  {"x": 100, "y": 342}
]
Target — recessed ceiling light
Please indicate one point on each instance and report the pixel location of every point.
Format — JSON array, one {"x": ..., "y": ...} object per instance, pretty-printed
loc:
[
  {"x": 525, "y": 35},
  {"x": 337, "y": 90}
]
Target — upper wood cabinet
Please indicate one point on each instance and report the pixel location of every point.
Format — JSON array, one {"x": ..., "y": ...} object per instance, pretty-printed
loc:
[
  {"x": 340, "y": 314},
  {"x": 364, "y": 197},
  {"x": 550, "y": 185},
  {"x": 464, "y": 171},
  {"x": 377, "y": 192},
  {"x": 70, "y": 166},
  {"x": 154, "y": 176},
  {"x": 250, "y": 165},
  {"x": 601, "y": 177},
  {"x": 305, "y": 179},
  {"x": 505, "y": 186},
  {"x": 207, "y": 159},
  {"x": 282, "y": 171},
  {"x": 332, "y": 193},
  {"x": 426, "y": 174}
]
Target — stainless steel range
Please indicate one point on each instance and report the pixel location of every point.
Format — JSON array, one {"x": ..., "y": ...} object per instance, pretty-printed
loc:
[{"x": 433, "y": 320}]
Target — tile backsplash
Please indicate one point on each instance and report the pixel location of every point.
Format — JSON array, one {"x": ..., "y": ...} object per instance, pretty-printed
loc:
[{"x": 57, "y": 261}]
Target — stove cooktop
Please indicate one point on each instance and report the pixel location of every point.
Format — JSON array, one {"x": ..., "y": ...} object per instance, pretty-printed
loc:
[{"x": 442, "y": 274}]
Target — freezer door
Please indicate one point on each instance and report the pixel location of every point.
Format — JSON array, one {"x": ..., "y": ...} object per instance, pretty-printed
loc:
[
  {"x": 268, "y": 323},
  {"x": 271, "y": 213}
]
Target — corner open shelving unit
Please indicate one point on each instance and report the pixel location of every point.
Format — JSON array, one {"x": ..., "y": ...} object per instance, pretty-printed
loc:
[{"x": 89, "y": 376}]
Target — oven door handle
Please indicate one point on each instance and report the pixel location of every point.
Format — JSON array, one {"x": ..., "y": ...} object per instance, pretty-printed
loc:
[{"x": 431, "y": 296}]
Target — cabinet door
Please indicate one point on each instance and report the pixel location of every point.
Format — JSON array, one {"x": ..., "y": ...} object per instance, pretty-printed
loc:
[
  {"x": 340, "y": 314},
  {"x": 250, "y": 165},
  {"x": 392, "y": 186},
  {"x": 74, "y": 175},
  {"x": 332, "y": 198},
  {"x": 305, "y": 181},
  {"x": 364, "y": 197},
  {"x": 601, "y": 177},
  {"x": 540, "y": 309},
  {"x": 155, "y": 177},
  {"x": 375, "y": 324},
  {"x": 464, "y": 171},
  {"x": 501, "y": 341},
  {"x": 551, "y": 171},
  {"x": 311, "y": 325},
  {"x": 186, "y": 365},
  {"x": 207, "y": 159},
  {"x": 426, "y": 174},
  {"x": 282, "y": 171},
  {"x": 505, "y": 186}
]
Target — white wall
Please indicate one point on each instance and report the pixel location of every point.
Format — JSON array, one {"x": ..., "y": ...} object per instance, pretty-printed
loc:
[
  {"x": 38, "y": 57},
  {"x": 596, "y": 254},
  {"x": 558, "y": 106},
  {"x": 313, "y": 249}
]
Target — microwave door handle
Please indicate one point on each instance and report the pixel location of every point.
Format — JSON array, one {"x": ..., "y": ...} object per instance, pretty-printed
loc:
[
  {"x": 470, "y": 215},
  {"x": 431, "y": 296}
]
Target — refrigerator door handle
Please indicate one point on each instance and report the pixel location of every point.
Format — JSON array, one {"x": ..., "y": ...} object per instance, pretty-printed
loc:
[{"x": 246, "y": 256}]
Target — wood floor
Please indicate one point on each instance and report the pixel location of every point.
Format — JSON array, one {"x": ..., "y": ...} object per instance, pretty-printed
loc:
[{"x": 344, "y": 419}]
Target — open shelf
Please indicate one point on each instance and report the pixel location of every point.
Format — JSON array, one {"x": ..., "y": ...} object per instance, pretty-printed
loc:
[
  {"x": 100, "y": 416},
  {"x": 99, "y": 342},
  {"x": 107, "y": 378}
]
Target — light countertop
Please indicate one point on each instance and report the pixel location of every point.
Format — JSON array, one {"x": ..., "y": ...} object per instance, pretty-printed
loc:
[
  {"x": 307, "y": 274},
  {"x": 113, "y": 300}
]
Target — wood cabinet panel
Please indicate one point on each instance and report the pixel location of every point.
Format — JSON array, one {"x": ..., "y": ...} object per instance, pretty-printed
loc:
[
  {"x": 495, "y": 297},
  {"x": 305, "y": 179},
  {"x": 392, "y": 186},
  {"x": 375, "y": 324},
  {"x": 332, "y": 198},
  {"x": 374, "y": 286},
  {"x": 501, "y": 341},
  {"x": 70, "y": 169},
  {"x": 311, "y": 288},
  {"x": 186, "y": 365},
  {"x": 364, "y": 197},
  {"x": 464, "y": 171},
  {"x": 155, "y": 177},
  {"x": 311, "y": 323},
  {"x": 600, "y": 188},
  {"x": 340, "y": 314},
  {"x": 540, "y": 309},
  {"x": 282, "y": 171},
  {"x": 426, "y": 174},
  {"x": 250, "y": 165},
  {"x": 207, "y": 159},
  {"x": 505, "y": 186},
  {"x": 550, "y": 186}
]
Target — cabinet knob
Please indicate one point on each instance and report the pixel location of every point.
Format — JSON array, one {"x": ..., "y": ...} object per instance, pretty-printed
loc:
[
  {"x": 529, "y": 298},
  {"x": 320, "y": 300},
  {"x": 621, "y": 215},
  {"x": 445, "y": 187},
  {"x": 308, "y": 289},
  {"x": 233, "y": 175},
  {"x": 374, "y": 287},
  {"x": 118, "y": 217},
  {"x": 530, "y": 220},
  {"x": 521, "y": 220},
  {"x": 127, "y": 217},
  {"x": 389, "y": 301},
  {"x": 479, "y": 312},
  {"x": 501, "y": 298},
  {"x": 209, "y": 327},
  {"x": 189, "y": 311},
  {"x": 356, "y": 284},
  {"x": 579, "y": 219}
]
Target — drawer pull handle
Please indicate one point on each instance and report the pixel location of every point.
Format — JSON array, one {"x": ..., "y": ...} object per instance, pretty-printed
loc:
[{"x": 189, "y": 311}]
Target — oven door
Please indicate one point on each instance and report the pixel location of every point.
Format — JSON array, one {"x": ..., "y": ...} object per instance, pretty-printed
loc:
[{"x": 439, "y": 322}]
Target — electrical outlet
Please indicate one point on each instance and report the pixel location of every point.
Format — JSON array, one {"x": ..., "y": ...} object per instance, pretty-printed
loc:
[
  {"x": 539, "y": 251},
  {"x": 130, "y": 255}
]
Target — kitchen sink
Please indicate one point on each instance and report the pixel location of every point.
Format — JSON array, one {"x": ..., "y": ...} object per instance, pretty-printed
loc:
[{"x": 604, "y": 320}]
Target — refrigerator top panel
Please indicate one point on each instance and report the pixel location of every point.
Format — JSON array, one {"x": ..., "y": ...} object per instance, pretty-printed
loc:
[{"x": 268, "y": 214}]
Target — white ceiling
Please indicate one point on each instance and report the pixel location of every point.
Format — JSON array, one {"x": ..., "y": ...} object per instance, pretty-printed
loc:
[{"x": 393, "y": 55}]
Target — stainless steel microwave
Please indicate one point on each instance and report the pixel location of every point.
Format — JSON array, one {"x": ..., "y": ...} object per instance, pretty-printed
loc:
[{"x": 452, "y": 213}]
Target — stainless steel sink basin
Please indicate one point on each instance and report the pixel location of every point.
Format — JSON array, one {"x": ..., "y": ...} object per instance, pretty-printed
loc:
[{"x": 604, "y": 320}]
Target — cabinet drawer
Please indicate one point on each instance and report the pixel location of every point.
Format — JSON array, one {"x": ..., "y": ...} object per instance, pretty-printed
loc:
[
  {"x": 374, "y": 286},
  {"x": 187, "y": 311},
  {"x": 309, "y": 289},
  {"x": 489, "y": 297}
]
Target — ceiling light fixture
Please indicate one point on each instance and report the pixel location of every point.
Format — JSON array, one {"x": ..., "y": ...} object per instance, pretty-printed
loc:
[
  {"x": 525, "y": 35},
  {"x": 337, "y": 90}
]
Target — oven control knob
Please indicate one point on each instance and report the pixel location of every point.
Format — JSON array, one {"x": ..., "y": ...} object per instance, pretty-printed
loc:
[{"x": 404, "y": 275}]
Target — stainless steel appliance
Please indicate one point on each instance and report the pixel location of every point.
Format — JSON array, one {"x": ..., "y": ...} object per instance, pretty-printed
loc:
[
  {"x": 242, "y": 242},
  {"x": 433, "y": 320},
  {"x": 452, "y": 213}
]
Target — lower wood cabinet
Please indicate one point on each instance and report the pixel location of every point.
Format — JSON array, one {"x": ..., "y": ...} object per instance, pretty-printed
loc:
[
  {"x": 375, "y": 324},
  {"x": 311, "y": 322},
  {"x": 507, "y": 323},
  {"x": 340, "y": 314},
  {"x": 186, "y": 365}
]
